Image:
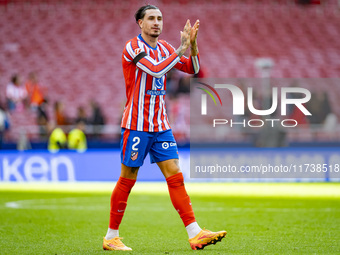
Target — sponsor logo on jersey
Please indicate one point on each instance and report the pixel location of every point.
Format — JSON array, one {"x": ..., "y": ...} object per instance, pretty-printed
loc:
[
  {"x": 159, "y": 83},
  {"x": 156, "y": 92}
]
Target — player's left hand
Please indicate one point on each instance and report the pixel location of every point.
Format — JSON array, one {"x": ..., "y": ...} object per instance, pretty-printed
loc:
[{"x": 193, "y": 33}]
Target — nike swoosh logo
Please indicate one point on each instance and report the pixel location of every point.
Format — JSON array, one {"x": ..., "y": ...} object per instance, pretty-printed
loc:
[
  {"x": 120, "y": 210},
  {"x": 205, "y": 236}
]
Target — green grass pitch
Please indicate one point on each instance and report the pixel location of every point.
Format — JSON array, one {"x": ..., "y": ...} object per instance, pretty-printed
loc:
[{"x": 260, "y": 218}]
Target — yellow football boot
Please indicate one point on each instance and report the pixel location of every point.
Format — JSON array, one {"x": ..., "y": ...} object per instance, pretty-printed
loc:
[
  {"x": 206, "y": 237},
  {"x": 115, "y": 244}
]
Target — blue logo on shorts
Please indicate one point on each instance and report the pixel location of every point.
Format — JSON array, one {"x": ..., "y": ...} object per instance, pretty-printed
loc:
[{"x": 166, "y": 145}]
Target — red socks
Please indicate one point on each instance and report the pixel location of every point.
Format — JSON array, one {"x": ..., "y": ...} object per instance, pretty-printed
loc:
[
  {"x": 119, "y": 198},
  {"x": 180, "y": 199}
]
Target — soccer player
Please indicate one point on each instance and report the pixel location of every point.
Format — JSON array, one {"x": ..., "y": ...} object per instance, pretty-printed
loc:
[{"x": 145, "y": 125}]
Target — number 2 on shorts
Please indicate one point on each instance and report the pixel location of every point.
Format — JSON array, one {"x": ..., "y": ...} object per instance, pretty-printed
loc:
[{"x": 136, "y": 141}]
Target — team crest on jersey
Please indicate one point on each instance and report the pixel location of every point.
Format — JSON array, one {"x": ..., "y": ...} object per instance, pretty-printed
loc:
[
  {"x": 134, "y": 155},
  {"x": 137, "y": 51}
]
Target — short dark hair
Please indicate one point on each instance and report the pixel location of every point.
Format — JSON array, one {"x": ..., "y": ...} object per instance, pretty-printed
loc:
[{"x": 140, "y": 13}]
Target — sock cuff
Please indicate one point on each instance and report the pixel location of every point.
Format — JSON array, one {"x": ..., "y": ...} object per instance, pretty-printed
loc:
[
  {"x": 190, "y": 221},
  {"x": 125, "y": 184},
  {"x": 175, "y": 180}
]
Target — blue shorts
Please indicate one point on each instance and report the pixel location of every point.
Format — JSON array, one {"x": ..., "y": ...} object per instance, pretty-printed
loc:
[{"x": 135, "y": 145}]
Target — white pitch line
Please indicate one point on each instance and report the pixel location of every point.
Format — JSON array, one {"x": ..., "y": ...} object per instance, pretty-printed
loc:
[
  {"x": 70, "y": 203},
  {"x": 295, "y": 190}
]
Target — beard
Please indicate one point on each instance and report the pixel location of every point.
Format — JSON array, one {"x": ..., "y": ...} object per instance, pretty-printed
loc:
[{"x": 154, "y": 34}]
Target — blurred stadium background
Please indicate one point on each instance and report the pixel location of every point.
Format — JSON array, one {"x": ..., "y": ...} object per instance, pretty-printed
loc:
[{"x": 75, "y": 47}]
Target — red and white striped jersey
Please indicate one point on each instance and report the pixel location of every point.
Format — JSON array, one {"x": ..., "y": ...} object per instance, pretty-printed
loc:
[{"x": 145, "y": 71}]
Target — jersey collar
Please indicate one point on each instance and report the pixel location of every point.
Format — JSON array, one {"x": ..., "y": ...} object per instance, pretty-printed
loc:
[{"x": 141, "y": 38}]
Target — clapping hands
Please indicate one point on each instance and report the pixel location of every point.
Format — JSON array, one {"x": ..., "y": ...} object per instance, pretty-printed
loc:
[{"x": 189, "y": 37}]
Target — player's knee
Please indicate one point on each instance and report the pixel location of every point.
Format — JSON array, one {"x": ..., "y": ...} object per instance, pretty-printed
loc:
[
  {"x": 129, "y": 172},
  {"x": 173, "y": 168},
  {"x": 172, "y": 172}
]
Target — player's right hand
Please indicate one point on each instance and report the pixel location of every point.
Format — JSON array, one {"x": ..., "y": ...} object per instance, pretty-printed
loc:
[{"x": 193, "y": 33}]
